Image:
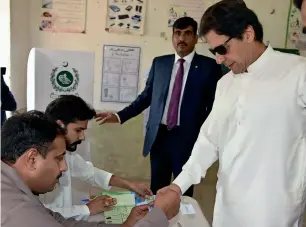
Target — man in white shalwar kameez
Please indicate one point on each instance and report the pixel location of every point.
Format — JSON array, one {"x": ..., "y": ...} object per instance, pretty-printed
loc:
[{"x": 257, "y": 127}]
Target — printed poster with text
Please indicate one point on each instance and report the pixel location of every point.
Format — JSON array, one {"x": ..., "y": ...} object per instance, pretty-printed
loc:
[
  {"x": 67, "y": 16},
  {"x": 190, "y": 8},
  {"x": 120, "y": 74}
]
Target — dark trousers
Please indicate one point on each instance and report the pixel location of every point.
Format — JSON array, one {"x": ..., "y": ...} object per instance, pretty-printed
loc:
[{"x": 168, "y": 155}]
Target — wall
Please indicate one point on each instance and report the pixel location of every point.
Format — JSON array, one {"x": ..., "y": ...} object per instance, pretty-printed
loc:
[
  {"x": 20, "y": 44},
  {"x": 151, "y": 43},
  {"x": 114, "y": 147},
  {"x": 5, "y": 37}
]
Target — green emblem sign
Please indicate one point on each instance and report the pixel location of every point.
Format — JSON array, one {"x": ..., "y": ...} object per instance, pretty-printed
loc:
[{"x": 64, "y": 80}]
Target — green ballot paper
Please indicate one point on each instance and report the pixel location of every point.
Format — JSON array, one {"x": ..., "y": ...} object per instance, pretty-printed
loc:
[
  {"x": 126, "y": 200},
  {"x": 121, "y": 211}
]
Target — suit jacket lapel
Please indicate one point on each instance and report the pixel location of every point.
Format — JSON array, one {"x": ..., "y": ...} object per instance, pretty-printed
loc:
[
  {"x": 193, "y": 68},
  {"x": 192, "y": 75},
  {"x": 166, "y": 75}
]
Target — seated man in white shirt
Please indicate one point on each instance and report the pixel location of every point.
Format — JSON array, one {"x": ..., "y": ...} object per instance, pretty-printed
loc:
[
  {"x": 257, "y": 126},
  {"x": 72, "y": 113}
]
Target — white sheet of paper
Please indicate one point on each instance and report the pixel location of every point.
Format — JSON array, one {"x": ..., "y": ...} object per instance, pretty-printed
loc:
[
  {"x": 187, "y": 209},
  {"x": 120, "y": 74}
]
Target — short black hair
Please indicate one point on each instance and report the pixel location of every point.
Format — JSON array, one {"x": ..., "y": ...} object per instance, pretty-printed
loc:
[
  {"x": 69, "y": 109},
  {"x": 230, "y": 18},
  {"x": 185, "y": 22},
  {"x": 298, "y": 3},
  {"x": 28, "y": 130}
]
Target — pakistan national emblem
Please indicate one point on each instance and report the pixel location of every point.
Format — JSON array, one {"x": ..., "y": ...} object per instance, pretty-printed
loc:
[{"x": 63, "y": 79}]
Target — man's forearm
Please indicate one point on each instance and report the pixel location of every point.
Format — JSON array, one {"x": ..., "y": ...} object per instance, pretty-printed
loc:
[
  {"x": 78, "y": 212},
  {"x": 119, "y": 182},
  {"x": 71, "y": 222}
]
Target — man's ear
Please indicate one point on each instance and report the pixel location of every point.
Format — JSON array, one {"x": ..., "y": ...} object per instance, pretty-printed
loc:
[
  {"x": 60, "y": 123},
  {"x": 249, "y": 34},
  {"x": 31, "y": 158},
  {"x": 196, "y": 37}
]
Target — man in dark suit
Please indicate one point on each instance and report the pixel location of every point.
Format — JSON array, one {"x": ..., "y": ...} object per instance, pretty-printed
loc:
[
  {"x": 8, "y": 102},
  {"x": 180, "y": 92}
]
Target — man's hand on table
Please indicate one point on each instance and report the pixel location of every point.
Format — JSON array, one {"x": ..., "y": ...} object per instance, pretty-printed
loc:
[
  {"x": 136, "y": 214},
  {"x": 101, "y": 204},
  {"x": 167, "y": 200},
  {"x": 141, "y": 189}
]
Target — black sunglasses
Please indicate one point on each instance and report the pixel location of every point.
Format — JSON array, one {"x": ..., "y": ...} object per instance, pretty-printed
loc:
[{"x": 221, "y": 49}]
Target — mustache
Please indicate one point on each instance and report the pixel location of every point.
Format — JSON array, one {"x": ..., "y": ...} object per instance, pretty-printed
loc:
[
  {"x": 73, "y": 146},
  {"x": 185, "y": 44},
  {"x": 59, "y": 176}
]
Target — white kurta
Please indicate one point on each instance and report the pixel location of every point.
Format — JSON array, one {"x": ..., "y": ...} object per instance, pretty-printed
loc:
[
  {"x": 257, "y": 130},
  {"x": 60, "y": 200}
]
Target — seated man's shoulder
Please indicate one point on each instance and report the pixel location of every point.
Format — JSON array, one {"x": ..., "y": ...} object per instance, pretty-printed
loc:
[
  {"x": 15, "y": 196},
  {"x": 17, "y": 208}
]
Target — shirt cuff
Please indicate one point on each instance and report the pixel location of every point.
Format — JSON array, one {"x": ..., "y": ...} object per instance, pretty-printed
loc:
[
  {"x": 184, "y": 181},
  {"x": 108, "y": 177},
  {"x": 118, "y": 118},
  {"x": 102, "y": 178},
  {"x": 84, "y": 213}
]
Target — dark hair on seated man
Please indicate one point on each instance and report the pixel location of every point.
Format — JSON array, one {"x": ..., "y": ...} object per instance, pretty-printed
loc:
[
  {"x": 22, "y": 132},
  {"x": 72, "y": 113},
  {"x": 69, "y": 109}
]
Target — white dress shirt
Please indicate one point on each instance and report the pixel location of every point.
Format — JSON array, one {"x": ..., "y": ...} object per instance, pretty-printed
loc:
[
  {"x": 257, "y": 130},
  {"x": 188, "y": 59},
  {"x": 60, "y": 200},
  {"x": 186, "y": 64}
]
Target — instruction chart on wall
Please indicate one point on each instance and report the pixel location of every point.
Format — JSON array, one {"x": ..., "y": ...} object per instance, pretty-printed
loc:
[
  {"x": 183, "y": 8},
  {"x": 120, "y": 74},
  {"x": 63, "y": 16},
  {"x": 126, "y": 16}
]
